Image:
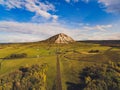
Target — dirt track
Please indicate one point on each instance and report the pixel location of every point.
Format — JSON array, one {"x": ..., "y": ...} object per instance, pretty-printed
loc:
[{"x": 58, "y": 75}]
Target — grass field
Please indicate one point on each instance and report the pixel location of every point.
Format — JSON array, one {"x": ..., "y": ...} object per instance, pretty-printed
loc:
[{"x": 73, "y": 57}]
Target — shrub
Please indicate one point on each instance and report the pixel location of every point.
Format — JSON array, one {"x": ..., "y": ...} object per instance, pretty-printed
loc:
[
  {"x": 26, "y": 78},
  {"x": 13, "y": 56},
  {"x": 93, "y": 51},
  {"x": 104, "y": 77}
]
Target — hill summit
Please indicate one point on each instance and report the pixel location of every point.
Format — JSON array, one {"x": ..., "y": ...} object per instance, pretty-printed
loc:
[{"x": 60, "y": 38}]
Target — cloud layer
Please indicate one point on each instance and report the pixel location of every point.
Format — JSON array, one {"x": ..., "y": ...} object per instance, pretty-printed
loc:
[
  {"x": 112, "y": 6},
  {"x": 98, "y": 27},
  {"x": 39, "y": 8},
  {"x": 43, "y": 31},
  {"x": 25, "y": 32}
]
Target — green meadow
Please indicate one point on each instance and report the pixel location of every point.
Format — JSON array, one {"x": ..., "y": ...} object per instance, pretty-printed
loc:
[{"x": 73, "y": 58}]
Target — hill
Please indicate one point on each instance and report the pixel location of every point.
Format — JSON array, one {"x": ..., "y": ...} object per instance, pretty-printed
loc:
[{"x": 60, "y": 38}]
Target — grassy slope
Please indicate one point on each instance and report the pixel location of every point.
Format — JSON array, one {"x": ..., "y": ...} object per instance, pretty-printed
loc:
[{"x": 78, "y": 57}]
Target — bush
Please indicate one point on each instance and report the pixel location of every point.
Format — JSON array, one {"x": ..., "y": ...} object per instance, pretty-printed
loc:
[
  {"x": 13, "y": 56},
  {"x": 104, "y": 77},
  {"x": 93, "y": 51},
  {"x": 26, "y": 78}
]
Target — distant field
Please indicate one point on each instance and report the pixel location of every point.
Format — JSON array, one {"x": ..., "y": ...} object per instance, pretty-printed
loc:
[
  {"x": 73, "y": 58},
  {"x": 113, "y": 43}
]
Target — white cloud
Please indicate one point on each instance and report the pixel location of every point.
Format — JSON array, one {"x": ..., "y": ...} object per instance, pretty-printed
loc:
[
  {"x": 111, "y": 6},
  {"x": 41, "y": 31},
  {"x": 15, "y": 31},
  {"x": 68, "y": 1},
  {"x": 12, "y": 3},
  {"x": 17, "y": 37},
  {"x": 39, "y": 8},
  {"x": 105, "y": 36},
  {"x": 98, "y": 27}
]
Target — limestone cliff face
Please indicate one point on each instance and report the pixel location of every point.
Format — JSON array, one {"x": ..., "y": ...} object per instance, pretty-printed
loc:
[{"x": 60, "y": 38}]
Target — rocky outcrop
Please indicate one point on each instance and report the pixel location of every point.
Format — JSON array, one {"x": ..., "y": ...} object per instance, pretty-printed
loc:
[{"x": 60, "y": 38}]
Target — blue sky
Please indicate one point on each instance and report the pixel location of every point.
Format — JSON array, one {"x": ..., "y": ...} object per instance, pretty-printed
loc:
[{"x": 34, "y": 20}]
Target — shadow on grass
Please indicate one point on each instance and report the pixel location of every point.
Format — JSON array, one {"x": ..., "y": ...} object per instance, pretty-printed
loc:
[{"x": 73, "y": 86}]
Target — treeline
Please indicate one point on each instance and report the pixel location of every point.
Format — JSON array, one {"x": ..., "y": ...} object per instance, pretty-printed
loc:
[
  {"x": 14, "y": 56},
  {"x": 103, "y": 77},
  {"x": 112, "y": 43},
  {"x": 26, "y": 78}
]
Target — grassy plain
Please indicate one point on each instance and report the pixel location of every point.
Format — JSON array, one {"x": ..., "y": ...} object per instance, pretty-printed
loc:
[{"x": 73, "y": 57}]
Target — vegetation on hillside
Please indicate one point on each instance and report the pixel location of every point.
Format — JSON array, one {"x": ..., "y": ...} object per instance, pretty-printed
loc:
[
  {"x": 99, "y": 77},
  {"x": 26, "y": 78}
]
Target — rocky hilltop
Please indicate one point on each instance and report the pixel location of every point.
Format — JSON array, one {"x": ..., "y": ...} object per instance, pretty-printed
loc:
[{"x": 60, "y": 38}]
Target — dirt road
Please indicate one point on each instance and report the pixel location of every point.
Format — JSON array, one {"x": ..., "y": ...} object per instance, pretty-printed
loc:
[{"x": 58, "y": 77}]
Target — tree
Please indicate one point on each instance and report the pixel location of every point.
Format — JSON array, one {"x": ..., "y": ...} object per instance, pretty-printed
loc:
[
  {"x": 104, "y": 77},
  {"x": 26, "y": 78}
]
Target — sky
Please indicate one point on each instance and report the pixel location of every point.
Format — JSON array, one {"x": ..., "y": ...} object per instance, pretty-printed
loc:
[{"x": 35, "y": 20}]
